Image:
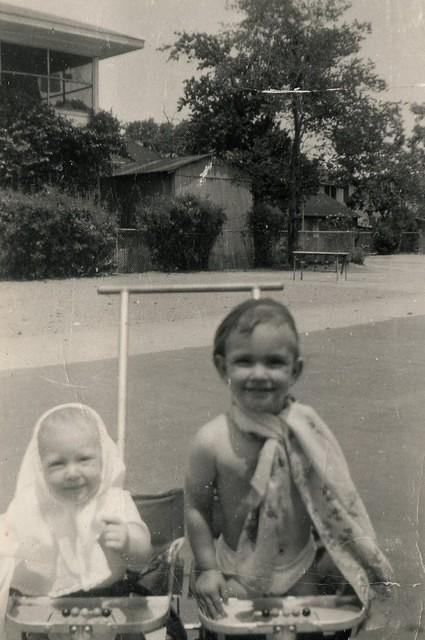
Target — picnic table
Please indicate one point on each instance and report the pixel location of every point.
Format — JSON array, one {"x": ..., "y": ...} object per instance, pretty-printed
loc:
[{"x": 340, "y": 257}]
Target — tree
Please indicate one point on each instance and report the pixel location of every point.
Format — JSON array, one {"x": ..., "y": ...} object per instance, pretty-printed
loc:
[
  {"x": 302, "y": 48},
  {"x": 389, "y": 174},
  {"x": 38, "y": 147},
  {"x": 167, "y": 139},
  {"x": 416, "y": 161}
]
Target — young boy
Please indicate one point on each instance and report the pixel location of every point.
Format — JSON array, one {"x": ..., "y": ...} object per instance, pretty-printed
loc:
[{"x": 268, "y": 478}]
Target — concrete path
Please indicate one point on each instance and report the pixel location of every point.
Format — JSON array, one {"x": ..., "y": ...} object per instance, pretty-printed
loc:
[{"x": 59, "y": 322}]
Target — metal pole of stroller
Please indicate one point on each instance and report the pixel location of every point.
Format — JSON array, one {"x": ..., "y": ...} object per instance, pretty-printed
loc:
[
  {"x": 124, "y": 292},
  {"x": 122, "y": 372}
]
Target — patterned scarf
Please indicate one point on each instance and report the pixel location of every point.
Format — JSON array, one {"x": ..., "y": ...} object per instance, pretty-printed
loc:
[{"x": 299, "y": 445}]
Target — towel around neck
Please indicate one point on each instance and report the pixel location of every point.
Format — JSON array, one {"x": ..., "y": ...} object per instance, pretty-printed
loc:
[{"x": 320, "y": 473}]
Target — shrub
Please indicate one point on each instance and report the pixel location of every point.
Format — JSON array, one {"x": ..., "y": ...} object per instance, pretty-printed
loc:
[
  {"x": 53, "y": 235},
  {"x": 180, "y": 232},
  {"x": 266, "y": 223},
  {"x": 357, "y": 256},
  {"x": 386, "y": 239},
  {"x": 39, "y": 147}
]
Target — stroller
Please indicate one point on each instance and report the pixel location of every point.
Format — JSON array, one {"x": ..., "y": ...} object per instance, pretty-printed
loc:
[{"x": 128, "y": 618}]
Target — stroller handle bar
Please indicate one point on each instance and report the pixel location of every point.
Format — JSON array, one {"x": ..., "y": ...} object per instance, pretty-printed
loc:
[
  {"x": 190, "y": 288},
  {"x": 124, "y": 291}
]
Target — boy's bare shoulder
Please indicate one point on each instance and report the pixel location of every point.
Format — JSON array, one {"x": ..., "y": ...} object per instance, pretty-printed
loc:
[
  {"x": 211, "y": 432},
  {"x": 205, "y": 451}
]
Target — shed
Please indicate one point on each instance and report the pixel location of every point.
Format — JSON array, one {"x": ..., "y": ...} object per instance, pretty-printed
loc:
[
  {"x": 205, "y": 176},
  {"x": 323, "y": 213}
]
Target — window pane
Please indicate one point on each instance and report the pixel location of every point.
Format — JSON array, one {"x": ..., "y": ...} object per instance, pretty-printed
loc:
[
  {"x": 71, "y": 67},
  {"x": 22, "y": 85},
  {"x": 71, "y": 80},
  {"x": 69, "y": 85},
  {"x": 15, "y": 57},
  {"x": 72, "y": 97}
]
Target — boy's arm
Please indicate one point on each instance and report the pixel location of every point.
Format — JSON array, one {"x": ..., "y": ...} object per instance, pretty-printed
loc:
[{"x": 210, "y": 584}]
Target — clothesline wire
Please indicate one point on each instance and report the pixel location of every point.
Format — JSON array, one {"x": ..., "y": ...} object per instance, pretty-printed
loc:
[{"x": 298, "y": 90}]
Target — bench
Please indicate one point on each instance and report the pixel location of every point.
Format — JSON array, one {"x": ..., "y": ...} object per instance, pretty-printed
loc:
[{"x": 340, "y": 258}]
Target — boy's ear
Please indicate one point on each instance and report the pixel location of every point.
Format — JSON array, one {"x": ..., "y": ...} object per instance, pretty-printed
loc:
[
  {"x": 298, "y": 367},
  {"x": 220, "y": 365}
]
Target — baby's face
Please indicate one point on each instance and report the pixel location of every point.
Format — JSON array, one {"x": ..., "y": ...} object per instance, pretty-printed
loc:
[
  {"x": 71, "y": 460},
  {"x": 261, "y": 367}
]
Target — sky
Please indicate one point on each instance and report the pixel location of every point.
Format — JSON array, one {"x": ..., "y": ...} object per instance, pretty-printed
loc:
[{"x": 143, "y": 84}]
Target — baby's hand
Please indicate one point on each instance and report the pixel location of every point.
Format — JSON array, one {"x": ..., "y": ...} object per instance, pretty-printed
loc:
[
  {"x": 115, "y": 535},
  {"x": 211, "y": 592}
]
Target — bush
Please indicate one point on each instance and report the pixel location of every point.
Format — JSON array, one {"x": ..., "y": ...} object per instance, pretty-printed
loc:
[
  {"x": 53, "y": 235},
  {"x": 357, "y": 256},
  {"x": 386, "y": 239},
  {"x": 266, "y": 224},
  {"x": 180, "y": 232},
  {"x": 39, "y": 147}
]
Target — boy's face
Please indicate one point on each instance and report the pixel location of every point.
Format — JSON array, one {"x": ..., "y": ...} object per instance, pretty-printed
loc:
[
  {"x": 260, "y": 367},
  {"x": 71, "y": 460}
]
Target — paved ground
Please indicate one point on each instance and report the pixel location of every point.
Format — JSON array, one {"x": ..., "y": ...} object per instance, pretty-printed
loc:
[{"x": 365, "y": 366}]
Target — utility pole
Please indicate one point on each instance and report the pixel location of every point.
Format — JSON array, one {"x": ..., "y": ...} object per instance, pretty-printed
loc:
[
  {"x": 294, "y": 174},
  {"x": 294, "y": 163}
]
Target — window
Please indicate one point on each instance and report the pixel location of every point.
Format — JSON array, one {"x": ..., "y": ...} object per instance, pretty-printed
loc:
[
  {"x": 71, "y": 81},
  {"x": 330, "y": 191},
  {"x": 63, "y": 80},
  {"x": 21, "y": 68}
]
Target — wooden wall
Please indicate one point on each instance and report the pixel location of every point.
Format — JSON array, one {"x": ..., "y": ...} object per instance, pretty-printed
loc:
[{"x": 224, "y": 186}]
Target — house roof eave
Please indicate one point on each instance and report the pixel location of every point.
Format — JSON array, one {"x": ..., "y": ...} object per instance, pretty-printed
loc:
[
  {"x": 323, "y": 206},
  {"x": 165, "y": 165},
  {"x": 24, "y": 26}
]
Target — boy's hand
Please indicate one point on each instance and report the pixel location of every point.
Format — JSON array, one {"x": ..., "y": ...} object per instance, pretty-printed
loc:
[
  {"x": 211, "y": 592},
  {"x": 115, "y": 535}
]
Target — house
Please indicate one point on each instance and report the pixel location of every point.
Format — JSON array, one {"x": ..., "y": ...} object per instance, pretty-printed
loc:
[
  {"x": 205, "y": 176},
  {"x": 324, "y": 213},
  {"x": 327, "y": 225},
  {"x": 336, "y": 192},
  {"x": 56, "y": 60}
]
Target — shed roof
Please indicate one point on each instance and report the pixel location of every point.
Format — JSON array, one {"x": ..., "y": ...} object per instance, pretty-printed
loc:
[
  {"x": 323, "y": 206},
  {"x": 139, "y": 153},
  {"x": 165, "y": 165},
  {"x": 25, "y": 26}
]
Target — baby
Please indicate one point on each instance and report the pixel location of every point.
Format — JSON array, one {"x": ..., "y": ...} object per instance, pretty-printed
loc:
[
  {"x": 271, "y": 508},
  {"x": 71, "y": 528}
]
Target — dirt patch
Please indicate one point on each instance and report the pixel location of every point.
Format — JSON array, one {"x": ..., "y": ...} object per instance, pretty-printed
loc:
[{"x": 59, "y": 321}]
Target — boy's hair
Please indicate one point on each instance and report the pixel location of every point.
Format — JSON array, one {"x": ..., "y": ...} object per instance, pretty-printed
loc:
[{"x": 247, "y": 315}]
